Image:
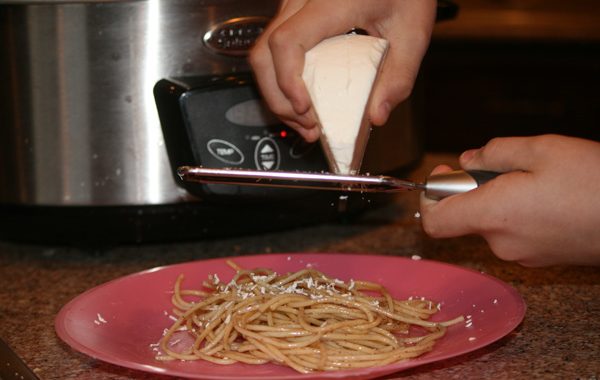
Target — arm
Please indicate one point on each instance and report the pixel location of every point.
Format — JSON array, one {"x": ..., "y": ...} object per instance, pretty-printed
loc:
[
  {"x": 544, "y": 210},
  {"x": 278, "y": 57}
]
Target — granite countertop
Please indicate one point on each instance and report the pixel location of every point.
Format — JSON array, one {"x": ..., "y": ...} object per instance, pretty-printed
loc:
[{"x": 559, "y": 337}]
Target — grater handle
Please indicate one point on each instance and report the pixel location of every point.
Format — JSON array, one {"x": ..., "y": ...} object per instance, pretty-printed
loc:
[{"x": 443, "y": 185}]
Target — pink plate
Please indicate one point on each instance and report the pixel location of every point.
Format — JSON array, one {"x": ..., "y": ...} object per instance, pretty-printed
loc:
[{"x": 119, "y": 322}]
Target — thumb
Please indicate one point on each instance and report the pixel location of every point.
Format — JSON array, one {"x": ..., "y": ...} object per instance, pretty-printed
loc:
[
  {"x": 502, "y": 154},
  {"x": 394, "y": 85},
  {"x": 408, "y": 31}
]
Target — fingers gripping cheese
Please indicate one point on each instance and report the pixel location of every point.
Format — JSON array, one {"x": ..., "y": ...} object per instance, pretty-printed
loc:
[{"x": 339, "y": 74}]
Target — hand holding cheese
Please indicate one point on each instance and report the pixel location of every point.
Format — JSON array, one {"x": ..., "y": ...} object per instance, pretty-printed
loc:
[
  {"x": 339, "y": 74},
  {"x": 278, "y": 57}
]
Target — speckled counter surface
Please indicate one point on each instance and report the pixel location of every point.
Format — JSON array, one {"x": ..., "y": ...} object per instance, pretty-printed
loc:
[{"x": 559, "y": 337}]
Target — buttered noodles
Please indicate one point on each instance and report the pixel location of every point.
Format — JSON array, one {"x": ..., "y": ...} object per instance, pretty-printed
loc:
[{"x": 305, "y": 320}]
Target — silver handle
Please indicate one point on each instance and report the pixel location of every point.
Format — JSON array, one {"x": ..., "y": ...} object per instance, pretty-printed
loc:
[{"x": 455, "y": 182}]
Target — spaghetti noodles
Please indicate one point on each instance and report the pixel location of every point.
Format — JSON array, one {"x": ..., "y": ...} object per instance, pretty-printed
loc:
[{"x": 304, "y": 320}]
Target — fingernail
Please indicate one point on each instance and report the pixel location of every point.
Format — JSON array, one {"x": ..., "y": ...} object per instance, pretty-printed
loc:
[
  {"x": 301, "y": 105},
  {"x": 312, "y": 116},
  {"x": 384, "y": 113},
  {"x": 468, "y": 155}
]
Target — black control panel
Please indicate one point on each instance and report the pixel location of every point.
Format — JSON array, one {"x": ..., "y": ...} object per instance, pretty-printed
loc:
[{"x": 222, "y": 122}]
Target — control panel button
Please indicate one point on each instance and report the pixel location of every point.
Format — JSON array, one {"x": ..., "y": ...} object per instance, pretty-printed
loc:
[
  {"x": 300, "y": 148},
  {"x": 266, "y": 154},
  {"x": 225, "y": 151}
]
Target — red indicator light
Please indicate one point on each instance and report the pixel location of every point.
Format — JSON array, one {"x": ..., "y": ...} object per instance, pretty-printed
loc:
[{"x": 283, "y": 134}]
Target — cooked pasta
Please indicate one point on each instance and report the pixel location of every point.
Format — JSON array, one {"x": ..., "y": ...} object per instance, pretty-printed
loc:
[{"x": 305, "y": 320}]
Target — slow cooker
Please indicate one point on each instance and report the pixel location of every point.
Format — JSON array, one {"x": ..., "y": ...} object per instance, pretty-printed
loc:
[{"x": 93, "y": 98}]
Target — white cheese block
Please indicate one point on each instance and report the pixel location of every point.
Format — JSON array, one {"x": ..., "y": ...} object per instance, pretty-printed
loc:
[{"x": 339, "y": 74}]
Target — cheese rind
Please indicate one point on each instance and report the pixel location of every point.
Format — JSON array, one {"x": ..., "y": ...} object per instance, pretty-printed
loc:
[{"x": 339, "y": 74}]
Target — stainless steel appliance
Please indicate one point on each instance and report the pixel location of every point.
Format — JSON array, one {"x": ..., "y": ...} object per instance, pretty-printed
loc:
[{"x": 82, "y": 153}]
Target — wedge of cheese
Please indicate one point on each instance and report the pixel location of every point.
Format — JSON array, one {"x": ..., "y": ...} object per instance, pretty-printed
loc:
[{"x": 339, "y": 74}]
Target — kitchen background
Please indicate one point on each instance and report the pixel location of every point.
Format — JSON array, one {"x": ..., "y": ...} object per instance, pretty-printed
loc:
[
  {"x": 513, "y": 67},
  {"x": 501, "y": 68}
]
